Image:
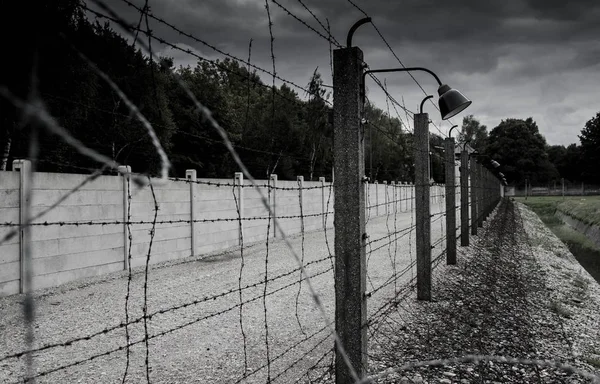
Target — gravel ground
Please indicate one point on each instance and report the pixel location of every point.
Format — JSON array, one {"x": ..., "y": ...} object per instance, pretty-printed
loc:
[
  {"x": 202, "y": 340},
  {"x": 517, "y": 292}
]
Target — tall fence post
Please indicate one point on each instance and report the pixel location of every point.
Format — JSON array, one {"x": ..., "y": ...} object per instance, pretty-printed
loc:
[
  {"x": 483, "y": 186},
  {"x": 125, "y": 172},
  {"x": 480, "y": 200},
  {"x": 239, "y": 182},
  {"x": 474, "y": 183},
  {"x": 273, "y": 202},
  {"x": 24, "y": 168},
  {"x": 488, "y": 197},
  {"x": 450, "y": 201},
  {"x": 190, "y": 175},
  {"x": 349, "y": 214},
  {"x": 323, "y": 205},
  {"x": 464, "y": 198},
  {"x": 422, "y": 205}
]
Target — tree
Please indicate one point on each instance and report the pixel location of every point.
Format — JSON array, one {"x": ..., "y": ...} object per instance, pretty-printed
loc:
[
  {"x": 572, "y": 164},
  {"x": 567, "y": 161},
  {"x": 319, "y": 133},
  {"x": 590, "y": 149},
  {"x": 521, "y": 150},
  {"x": 473, "y": 132},
  {"x": 391, "y": 147}
]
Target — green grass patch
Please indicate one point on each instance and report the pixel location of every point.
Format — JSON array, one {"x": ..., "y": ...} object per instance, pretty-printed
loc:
[{"x": 585, "y": 209}]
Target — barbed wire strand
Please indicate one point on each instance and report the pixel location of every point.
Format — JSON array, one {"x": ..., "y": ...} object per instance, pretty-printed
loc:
[
  {"x": 264, "y": 301},
  {"x": 242, "y": 260},
  {"x": 301, "y": 208},
  {"x": 165, "y": 332}
]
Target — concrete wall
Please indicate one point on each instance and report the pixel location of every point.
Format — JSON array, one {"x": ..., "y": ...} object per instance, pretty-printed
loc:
[
  {"x": 203, "y": 215},
  {"x": 69, "y": 252},
  {"x": 188, "y": 213},
  {"x": 9, "y": 249}
]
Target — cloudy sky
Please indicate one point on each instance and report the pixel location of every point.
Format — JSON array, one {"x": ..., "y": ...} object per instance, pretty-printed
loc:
[{"x": 513, "y": 58}]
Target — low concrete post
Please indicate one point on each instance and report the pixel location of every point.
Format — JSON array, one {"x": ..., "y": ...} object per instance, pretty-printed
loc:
[
  {"x": 376, "y": 198},
  {"x": 385, "y": 196},
  {"x": 394, "y": 198},
  {"x": 190, "y": 174},
  {"x": 300, "y": 181},
  {"x": 125, "y": 172},
  {"x": 25, "y": 263},
  {"x": 273, "y": 202},
  {"x": 239, "y": 181},
  {"x": 412, "y": 197},
  {"x": 323, "y": 205}
]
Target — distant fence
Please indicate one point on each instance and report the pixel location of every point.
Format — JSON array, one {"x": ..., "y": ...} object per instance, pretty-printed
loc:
[
  {"x": 554, "y": 190},
  {"x": 85, "y": 223}
]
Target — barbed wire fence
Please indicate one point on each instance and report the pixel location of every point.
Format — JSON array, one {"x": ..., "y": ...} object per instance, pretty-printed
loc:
[{"x": 250, "y": 315}]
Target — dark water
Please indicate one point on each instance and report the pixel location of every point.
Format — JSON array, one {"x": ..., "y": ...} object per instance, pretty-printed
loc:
[{"x": 588, "y": 258}]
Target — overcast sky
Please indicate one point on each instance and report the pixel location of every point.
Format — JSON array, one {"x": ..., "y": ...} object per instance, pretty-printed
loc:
[{"x": 513, "y": 58}]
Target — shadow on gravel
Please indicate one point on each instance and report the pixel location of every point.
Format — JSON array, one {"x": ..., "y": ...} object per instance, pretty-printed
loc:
[{"x": 490, "y": 304}]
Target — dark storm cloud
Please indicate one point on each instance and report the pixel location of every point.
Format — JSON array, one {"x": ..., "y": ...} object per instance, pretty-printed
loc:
[{"x": 513, "y": 58}]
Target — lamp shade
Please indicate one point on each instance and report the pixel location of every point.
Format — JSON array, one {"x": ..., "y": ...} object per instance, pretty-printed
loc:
[{"x": 451, "y": 101}]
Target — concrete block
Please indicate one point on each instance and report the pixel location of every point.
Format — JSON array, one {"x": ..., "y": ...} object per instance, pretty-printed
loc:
[
  {"x": 67, "y": 262},
  {"x": 9, "y": 198},
  {"x": 10, "y": 271},
  {"x": 9, "y": 253},
  {"x": 54, "y": 279},
  {"x": 9, "y": 288}
]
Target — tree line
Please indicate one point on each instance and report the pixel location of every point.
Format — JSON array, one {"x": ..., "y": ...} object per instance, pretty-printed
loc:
[
  {"x": 524, "y": 154},
  {"x": 275, "y": 130}
]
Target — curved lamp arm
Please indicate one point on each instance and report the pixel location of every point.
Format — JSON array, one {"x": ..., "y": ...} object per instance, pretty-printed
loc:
[
  {"x": 450, "y": 132},
  {"x": 354, "y": 28},
  {"x": 405, "y": 69},
  {"x": 423, "y": 102}
]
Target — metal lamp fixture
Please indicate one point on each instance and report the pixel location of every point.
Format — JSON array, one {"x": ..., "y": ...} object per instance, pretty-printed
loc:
[{"x": 451, "y": 101}]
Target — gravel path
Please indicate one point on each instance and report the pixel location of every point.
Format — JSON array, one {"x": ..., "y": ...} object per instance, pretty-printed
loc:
[
  {"x": 202, "y": 340},
  {"x": 517, "y": 292}
]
